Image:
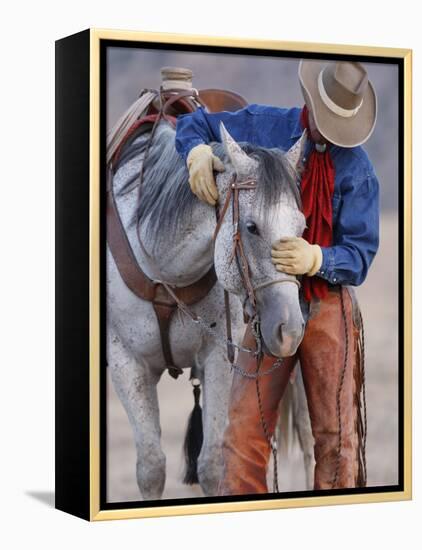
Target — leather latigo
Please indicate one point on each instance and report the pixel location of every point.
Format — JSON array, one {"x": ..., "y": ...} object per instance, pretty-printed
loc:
[{"x": 246, "y": 450}]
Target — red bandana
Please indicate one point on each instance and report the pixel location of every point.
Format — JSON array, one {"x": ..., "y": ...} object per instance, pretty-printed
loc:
[{"x": 317, "y": 188}]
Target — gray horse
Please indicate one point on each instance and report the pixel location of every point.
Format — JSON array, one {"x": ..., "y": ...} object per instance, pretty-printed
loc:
[{"x": 176, "y": 230}]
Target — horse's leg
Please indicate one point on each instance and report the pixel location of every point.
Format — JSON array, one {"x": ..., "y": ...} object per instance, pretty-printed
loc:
[
  {"x": 136, "y": 386},
  {"x": 215, "y": 376}
]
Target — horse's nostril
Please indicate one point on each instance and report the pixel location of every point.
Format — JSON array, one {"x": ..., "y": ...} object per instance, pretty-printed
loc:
[{"x": 281, "y": 331}]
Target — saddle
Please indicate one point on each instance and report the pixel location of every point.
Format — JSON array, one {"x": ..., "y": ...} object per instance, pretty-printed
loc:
[{"x": 166, "y": 105}]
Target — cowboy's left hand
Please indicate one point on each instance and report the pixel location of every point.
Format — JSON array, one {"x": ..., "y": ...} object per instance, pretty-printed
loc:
[{"x": 295, "y": 256}]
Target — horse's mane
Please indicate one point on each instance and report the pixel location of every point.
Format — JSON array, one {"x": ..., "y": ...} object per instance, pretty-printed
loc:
[{"x": 166, "y": 197}]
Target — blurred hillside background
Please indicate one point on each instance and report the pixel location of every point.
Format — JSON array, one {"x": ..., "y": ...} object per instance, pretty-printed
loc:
[{"x": 273, "y": 81}]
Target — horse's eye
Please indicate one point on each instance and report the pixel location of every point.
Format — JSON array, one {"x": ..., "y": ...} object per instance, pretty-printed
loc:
[{"x": 252, "y": 228}]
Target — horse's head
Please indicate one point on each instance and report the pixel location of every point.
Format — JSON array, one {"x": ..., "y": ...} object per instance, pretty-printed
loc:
[{"x": 267, "y": 212}]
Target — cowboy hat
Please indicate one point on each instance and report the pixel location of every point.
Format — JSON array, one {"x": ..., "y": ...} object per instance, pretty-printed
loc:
[{"x": 342, "y": 100}]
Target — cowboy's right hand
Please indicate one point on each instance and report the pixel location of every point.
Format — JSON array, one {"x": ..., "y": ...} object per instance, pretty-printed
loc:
[{"x": 201, "y": 163}]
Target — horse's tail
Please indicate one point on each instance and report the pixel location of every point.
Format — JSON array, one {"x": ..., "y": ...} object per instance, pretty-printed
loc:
[
  {"x": 294, "y": 426},
  {"x": 285, "y": 426},
  {"x": 193, "y": 438}
]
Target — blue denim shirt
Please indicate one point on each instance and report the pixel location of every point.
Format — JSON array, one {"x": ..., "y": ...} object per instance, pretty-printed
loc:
[{"x": 356, "y": 189}]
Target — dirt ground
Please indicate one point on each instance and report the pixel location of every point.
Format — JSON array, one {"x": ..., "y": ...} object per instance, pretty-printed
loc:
[{"x": 378, "y": 300}]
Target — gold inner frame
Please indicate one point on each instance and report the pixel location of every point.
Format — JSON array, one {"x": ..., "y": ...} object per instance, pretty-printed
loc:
[{"x": 96, "y": 513}]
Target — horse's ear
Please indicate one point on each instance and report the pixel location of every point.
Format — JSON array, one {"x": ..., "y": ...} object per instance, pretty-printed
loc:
[
  {"x": 295, "y": 154},
  {"x": 242, "y": 163}
]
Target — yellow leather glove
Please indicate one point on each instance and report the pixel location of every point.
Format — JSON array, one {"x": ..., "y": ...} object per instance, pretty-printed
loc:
[
  {"x": 201, "y": 162},
  {"x": 295, "y": 256}
]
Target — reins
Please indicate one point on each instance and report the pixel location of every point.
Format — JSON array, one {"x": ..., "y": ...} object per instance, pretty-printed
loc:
[{"x": 243, "y": 266}]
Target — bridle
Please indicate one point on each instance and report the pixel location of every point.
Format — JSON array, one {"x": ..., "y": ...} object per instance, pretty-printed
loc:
[{"x": 238, "y": 251}]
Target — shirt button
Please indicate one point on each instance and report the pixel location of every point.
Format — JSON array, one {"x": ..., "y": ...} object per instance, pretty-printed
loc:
[
  {"x": 322, "y": 273},
  {"x": 335, "y": 280}
]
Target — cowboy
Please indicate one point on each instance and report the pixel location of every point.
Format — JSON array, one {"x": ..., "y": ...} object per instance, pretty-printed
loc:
[{"x": 340, "y": 200}]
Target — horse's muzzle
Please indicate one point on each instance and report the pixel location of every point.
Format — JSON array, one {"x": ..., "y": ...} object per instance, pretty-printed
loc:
[
  {"x": 281, "y": 321},
  {"x": 290, "y": 340}
]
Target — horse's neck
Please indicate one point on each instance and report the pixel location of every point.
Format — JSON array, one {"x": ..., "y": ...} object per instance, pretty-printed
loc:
[
  {"x": 184, "y": 256},
  {"x": 180, "y": 258}
]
